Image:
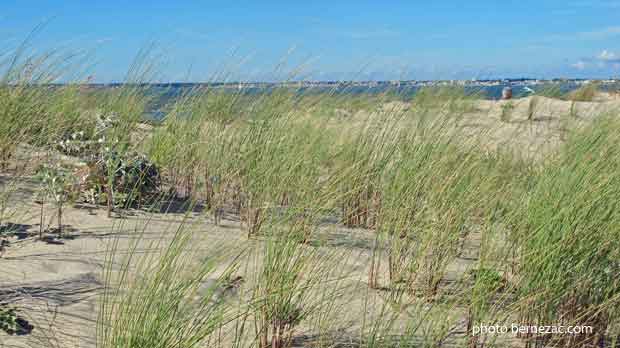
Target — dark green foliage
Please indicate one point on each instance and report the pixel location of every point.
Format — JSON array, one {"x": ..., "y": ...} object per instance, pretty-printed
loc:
[
  {"x": 134, "y": 177},
  {"x": 8, "y": 319},
  {"x": 11, "y": 322}
]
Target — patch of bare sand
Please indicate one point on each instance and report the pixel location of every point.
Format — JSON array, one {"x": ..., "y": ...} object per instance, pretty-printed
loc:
[
  {"x": 531, "y": 127},
  {"x": 55, "y": 285}
]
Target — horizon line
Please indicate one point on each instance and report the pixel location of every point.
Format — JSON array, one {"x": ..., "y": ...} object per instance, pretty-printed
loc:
[{"x": 293, "y": 82}]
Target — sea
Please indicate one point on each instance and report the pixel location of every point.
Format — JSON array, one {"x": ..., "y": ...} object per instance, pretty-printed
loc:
[{"x": 163, "y": 94}]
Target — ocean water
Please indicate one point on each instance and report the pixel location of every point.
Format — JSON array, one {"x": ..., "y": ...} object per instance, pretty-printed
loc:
[{"x": 165, "y": 93}]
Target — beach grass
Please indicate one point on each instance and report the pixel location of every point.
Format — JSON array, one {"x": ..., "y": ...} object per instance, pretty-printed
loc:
[{"x": 450, "y": 231}]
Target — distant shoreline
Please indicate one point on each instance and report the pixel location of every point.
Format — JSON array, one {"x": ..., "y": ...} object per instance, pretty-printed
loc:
[{"x": 387, "y": 83}]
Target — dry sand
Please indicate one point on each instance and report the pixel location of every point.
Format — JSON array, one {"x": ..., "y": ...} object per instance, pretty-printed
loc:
[{"x": 55, "y": 286}]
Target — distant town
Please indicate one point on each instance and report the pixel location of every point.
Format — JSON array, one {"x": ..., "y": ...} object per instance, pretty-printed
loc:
[{"x": 373, "y": 84}]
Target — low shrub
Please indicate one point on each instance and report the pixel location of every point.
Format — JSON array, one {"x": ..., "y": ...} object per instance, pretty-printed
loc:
[{"x": 133, "y": 176}]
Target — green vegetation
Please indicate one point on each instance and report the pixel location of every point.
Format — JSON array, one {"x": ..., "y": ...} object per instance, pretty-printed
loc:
[
  {"x": 507, "y": 109},
  {"x": 551, "y": 90},
  {"x": 444, "y": 232},
  {"x": 8, "y": 319},
  {"x": 451, "y": 99},
  {"x": 55, "y": 184},
  {"x": 585, "y": 93}
]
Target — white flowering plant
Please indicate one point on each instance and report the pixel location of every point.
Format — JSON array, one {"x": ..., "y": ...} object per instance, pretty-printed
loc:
[
  {"x": 74, "y": 144},
  {"x": 56, "y": 184},
  {"x": 90, "y": 140}
]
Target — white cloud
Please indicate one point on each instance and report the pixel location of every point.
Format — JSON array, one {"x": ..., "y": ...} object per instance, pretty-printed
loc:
[
  {"x": 607, "y": 56},
  {"x": 580, "y": 65},
  {"x": 604, "y": 61}
]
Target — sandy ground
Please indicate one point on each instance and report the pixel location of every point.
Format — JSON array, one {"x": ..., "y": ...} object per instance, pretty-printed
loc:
[
  {"x": 58, "y": 282},
  {"x": 55, "y": 285},
  {"x": 531, "y": 127}
]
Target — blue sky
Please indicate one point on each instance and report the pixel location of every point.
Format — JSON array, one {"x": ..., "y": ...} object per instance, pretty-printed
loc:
[{"x": 338, "y": 39}]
